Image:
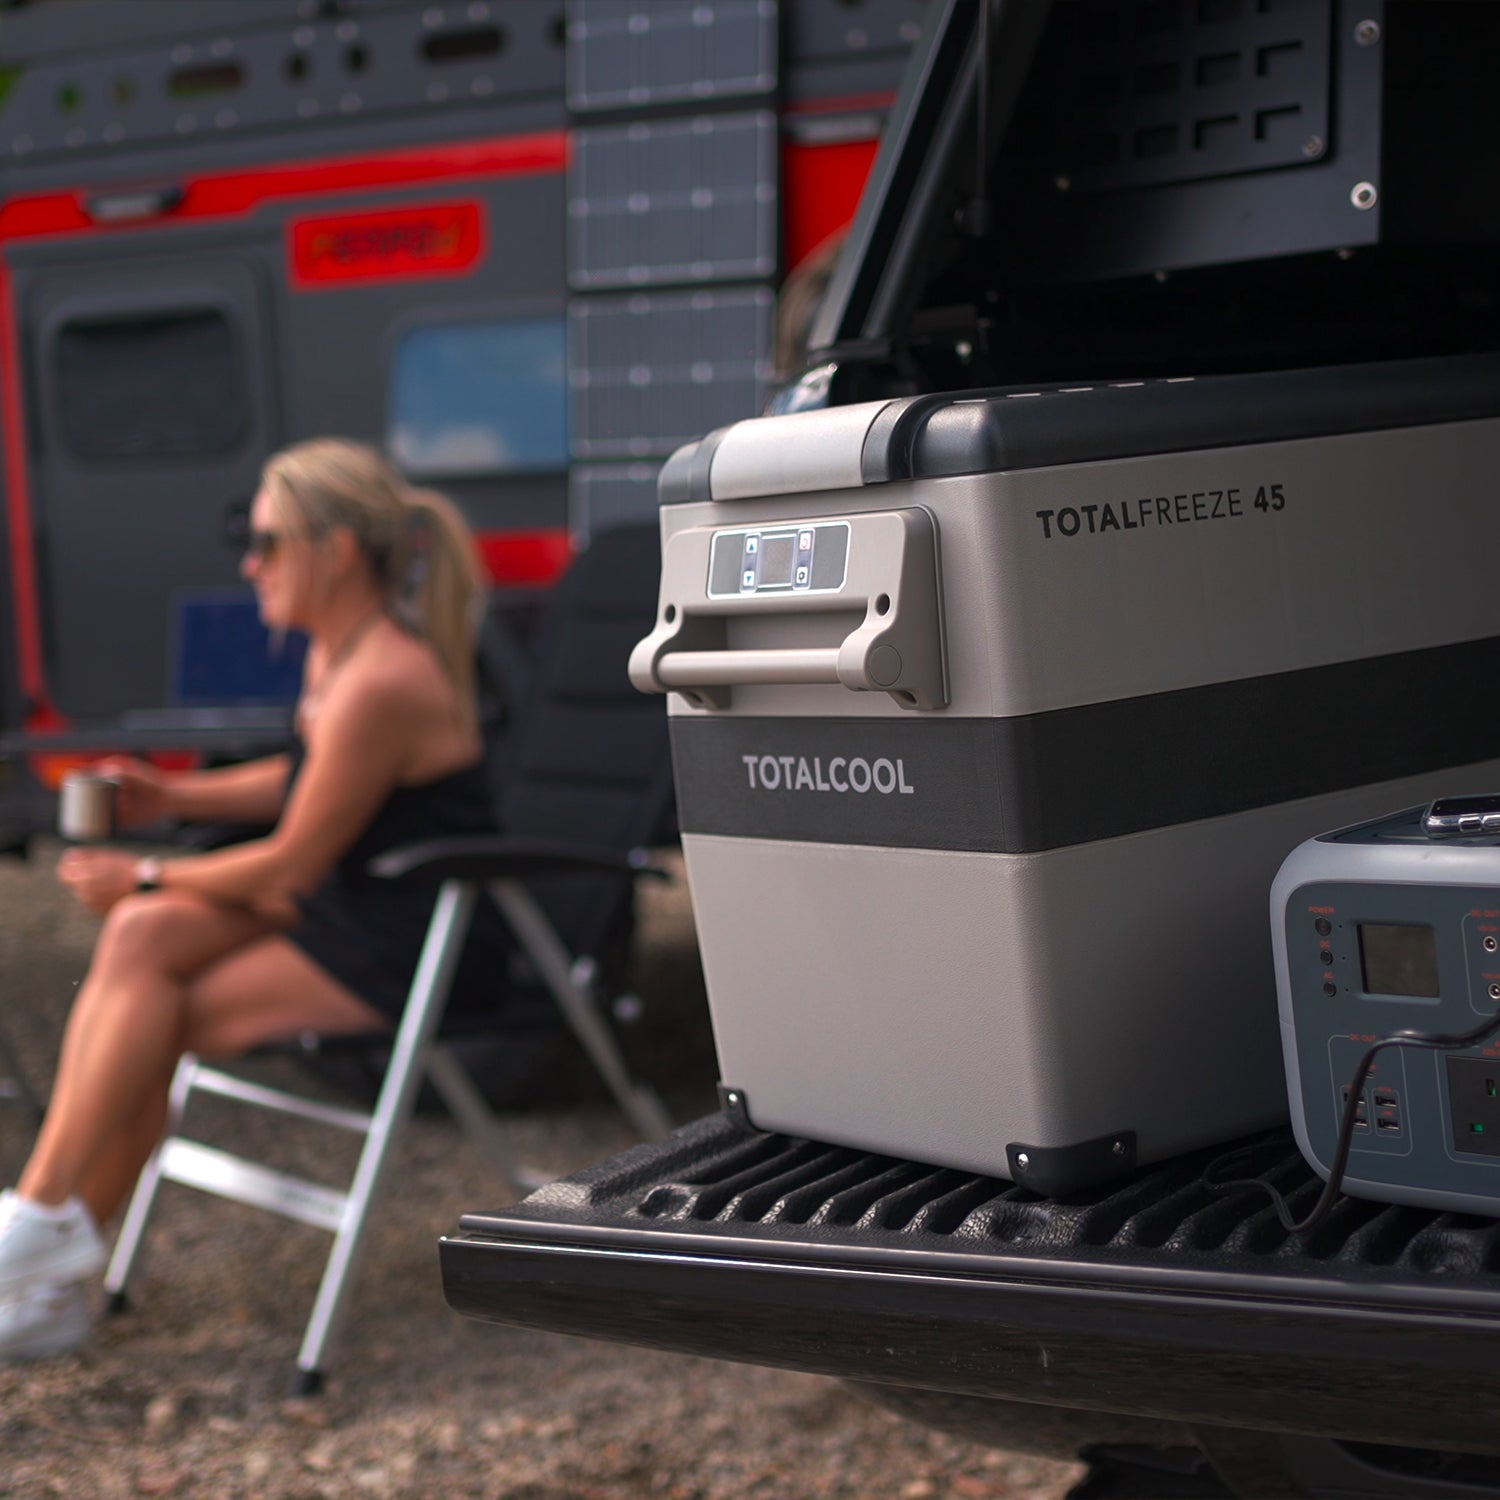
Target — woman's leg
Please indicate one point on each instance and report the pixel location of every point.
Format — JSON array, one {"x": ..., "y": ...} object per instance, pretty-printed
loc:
[
  {"x": 124, "y": 1035},
  {"x": 266, "y": 991}
]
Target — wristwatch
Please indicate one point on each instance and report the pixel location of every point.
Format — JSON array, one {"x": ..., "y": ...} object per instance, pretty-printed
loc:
[{"x": 148, "y": 873}]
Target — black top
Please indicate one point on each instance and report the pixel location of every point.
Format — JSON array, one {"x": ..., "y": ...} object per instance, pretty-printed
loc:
[{"x": 367, "y": 933}]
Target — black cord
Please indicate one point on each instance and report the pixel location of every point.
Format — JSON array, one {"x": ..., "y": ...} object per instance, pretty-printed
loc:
[{"x": 1424, "y": 1040}]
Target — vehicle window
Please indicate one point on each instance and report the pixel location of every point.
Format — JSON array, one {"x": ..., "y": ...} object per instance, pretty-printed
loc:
[
  {"x": 161, "y": 384},
  {"x": 481, "y": 398}
]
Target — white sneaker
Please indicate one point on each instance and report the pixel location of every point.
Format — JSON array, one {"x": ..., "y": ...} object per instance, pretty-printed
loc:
[
  {"x": 51, "y": 1245},
  {"x": 45, "y": 1320}
]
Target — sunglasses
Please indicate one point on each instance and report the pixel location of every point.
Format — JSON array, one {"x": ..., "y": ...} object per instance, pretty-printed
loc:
[{"x": 262, "y": 545}]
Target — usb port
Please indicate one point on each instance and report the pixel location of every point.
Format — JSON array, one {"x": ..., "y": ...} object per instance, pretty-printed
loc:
[
  {"x": 1361, "y": 1119},
  {"x": 1385, "y": 1099},
  {"x": 1389, "y": 1123}
]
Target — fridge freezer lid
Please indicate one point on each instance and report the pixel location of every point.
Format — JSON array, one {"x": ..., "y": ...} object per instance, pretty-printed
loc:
[{"x": 936, "y": 436}]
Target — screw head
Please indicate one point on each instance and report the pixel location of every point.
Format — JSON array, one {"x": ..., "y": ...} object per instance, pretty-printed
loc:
[
  {"x": 1367, "y": 33},
  {"x": 1062, "y": 184},
  {"x": 732, "y": 1098},
  {"x": 1363, "y": 195},
  {"x": 1022, "y": 1160},
  {"x": 1118, "y": 1148},
  {"x": 1313, "y": 146}
]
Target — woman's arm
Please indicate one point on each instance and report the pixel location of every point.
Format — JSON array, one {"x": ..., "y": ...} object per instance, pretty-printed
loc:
[
  {"x": 364, "y": 738},
  {"x": 252, "y": 792},
  {"x": 367, "y": 732}
]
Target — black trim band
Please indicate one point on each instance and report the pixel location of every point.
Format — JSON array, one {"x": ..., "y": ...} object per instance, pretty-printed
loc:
[
  {"x": 1049, "y": 780},
  {"x": 983, "y": 432}
]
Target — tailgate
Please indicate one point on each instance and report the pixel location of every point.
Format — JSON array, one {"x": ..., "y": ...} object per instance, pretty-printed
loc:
[{"x": 1155, "y": 1297}]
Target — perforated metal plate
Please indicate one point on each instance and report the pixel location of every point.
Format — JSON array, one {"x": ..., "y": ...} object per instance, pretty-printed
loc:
[{"x": 1169, "y": 90}]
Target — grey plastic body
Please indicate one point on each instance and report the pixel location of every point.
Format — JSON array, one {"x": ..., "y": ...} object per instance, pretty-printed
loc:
[
  {"x": 1422, "y": 1140},
  {"x": 1023, "y": 916}
]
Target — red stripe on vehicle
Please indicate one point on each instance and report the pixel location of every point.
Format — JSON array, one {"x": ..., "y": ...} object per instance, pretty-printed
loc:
[
  {"x": 229, "y": 194},
  {"x": 531, "y": 558},
  {"x": 25, "y": 600}
]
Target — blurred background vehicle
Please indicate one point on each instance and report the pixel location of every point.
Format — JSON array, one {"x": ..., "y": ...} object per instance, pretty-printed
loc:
[{"x": 528, "y": 247}]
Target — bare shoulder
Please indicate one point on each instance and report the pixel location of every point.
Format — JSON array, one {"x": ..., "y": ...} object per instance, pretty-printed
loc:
[
  {"x": 394, "y": 691},
  {"x": 399, "y": 670}
]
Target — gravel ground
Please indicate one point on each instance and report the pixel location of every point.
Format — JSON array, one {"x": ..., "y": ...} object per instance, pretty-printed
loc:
[{"x": 185, "y": 1393}]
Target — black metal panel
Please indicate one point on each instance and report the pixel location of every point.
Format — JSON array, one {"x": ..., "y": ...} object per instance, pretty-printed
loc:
[
  {"x": 298, "y": 69},
  {"x": 33, "y": 31},
  {"x": 1166, "y": 90},
  {"x": 635, "y": 54},
  {"x": 673, "y": 201},
  {"x": 653, "y": 370}
]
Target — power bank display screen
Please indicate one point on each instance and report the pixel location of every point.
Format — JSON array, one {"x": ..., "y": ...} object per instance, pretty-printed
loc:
[{"x": 1399, "y": 959}]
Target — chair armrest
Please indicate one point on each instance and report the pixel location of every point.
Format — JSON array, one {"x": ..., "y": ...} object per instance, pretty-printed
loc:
[{"x": 500, "y": 856}]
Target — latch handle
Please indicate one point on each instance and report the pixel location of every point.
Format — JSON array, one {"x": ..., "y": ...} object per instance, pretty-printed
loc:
[{"x": 890, "y": 584}]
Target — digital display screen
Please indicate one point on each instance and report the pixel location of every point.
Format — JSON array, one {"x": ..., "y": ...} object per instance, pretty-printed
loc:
[
  {"x": 776, "y": 557},
  {"x": 1399, "y": 959}
]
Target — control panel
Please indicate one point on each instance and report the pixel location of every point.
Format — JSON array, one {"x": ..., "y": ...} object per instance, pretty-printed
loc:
[
  {"x": 804, "y": 558},
  {"x": 1384, "y": 928}
]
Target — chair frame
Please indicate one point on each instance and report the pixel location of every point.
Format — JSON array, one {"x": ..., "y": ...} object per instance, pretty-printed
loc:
[
  {"x": 15, "y": 1087},
  {"x": 466, "y": 867}
]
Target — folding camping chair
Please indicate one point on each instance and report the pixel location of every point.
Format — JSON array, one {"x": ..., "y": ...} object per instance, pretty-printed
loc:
[
  {"x": 583, "y": 788},
  {"x": 14, "y": 1087}
]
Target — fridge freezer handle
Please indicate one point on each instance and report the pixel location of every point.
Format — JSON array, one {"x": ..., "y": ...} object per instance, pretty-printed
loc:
[
  {"x": 679, "y": 669},
  {"x": 896, "y": 647}
]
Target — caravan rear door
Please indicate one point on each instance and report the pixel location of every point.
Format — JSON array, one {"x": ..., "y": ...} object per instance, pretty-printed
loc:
[{"x": 154, "y": 410}]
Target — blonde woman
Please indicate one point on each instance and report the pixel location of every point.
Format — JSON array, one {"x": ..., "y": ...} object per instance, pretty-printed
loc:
[{"x": 217, "y": 953}]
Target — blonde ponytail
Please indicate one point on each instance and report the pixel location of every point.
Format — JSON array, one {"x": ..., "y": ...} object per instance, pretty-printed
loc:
[
  {"x": 445, "y": 586},
  {"x": 416, "y": 543}
]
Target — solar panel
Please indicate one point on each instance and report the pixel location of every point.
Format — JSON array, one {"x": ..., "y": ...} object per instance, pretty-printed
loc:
[
  {"x": 652, "y": 371},
  {"x": 604, "y": 495},
  {"x": 682, "y": 200},
  {"x": 630, "y": 53}
]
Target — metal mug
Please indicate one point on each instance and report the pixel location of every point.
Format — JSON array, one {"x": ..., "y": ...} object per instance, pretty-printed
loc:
[{"x": 86, "y": 807}]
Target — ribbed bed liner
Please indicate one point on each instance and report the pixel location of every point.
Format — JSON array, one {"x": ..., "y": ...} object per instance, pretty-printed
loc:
[{"x": 718, "y": 1178}]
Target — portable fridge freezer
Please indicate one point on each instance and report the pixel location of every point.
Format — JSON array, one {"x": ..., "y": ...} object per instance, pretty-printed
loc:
[{"x": 994, "y": 715}]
